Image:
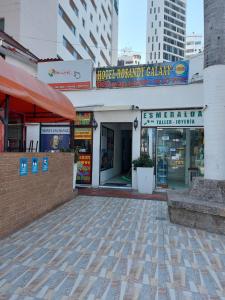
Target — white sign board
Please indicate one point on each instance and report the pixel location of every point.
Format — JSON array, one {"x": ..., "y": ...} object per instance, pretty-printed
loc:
[
  {"x": 173, "y": 118},
  {"x": 67, "y": 75},
  {"x": 55, "y": 130}
]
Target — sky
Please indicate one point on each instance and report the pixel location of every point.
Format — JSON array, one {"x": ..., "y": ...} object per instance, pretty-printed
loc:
[{"x": 132, "y": 23}]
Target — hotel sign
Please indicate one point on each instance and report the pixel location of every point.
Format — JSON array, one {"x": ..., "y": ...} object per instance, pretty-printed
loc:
[
  {"x": 168, "y": 73},
  {"x": 173, "y": 118}
]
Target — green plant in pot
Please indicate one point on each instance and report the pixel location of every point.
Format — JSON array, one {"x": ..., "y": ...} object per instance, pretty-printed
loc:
[
  {"x": 145, "y": 173},
  {"x": 144, "y": 161}
]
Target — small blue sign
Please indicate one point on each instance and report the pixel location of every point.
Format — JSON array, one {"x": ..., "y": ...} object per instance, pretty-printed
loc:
[
  {"x": 34, "y": 167},
  {"x": 23, "y": 166},
  {"x": 45, "y": 164}
]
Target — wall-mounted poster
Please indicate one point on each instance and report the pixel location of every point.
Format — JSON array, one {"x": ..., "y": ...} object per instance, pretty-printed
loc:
[
  {"x": 23, "y": 166},
  {"x": 34, "y": 165},
  {"x": 107, "y": 148},
  {"x": 45, "y": 164},
  {"x": 84, "y": 169},
  {"x": 54, "y": 138}
]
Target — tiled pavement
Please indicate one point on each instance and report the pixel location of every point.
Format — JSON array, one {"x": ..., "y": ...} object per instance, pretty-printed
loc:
[{"x": 110, "y": 248}]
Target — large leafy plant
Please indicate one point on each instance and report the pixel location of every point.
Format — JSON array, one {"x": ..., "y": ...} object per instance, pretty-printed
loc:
[{"x": 144, "y": 161}]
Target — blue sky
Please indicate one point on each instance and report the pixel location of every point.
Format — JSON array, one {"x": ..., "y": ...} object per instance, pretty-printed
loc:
[{"x": 132, "y": 22}]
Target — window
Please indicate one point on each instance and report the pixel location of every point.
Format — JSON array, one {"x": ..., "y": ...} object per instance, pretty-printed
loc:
[
  {"x": 2, "y": 24},
  {"x": 156, "y": 17},
  {"x": 157, "y": 39},
  {"x": 155, "y": 31},
  {"x": 104, "y": 12},
  {"x": 152, "y": 47},
  {"x": 93, "y": 39},
  {"x": 94, "y": 5},
  {"x": 159, "y": 55},
  {"x": 148, "y": 39},
  {"x": 152, "y": 24},
  {"x": 160, "y": 23},
  {"x": 104, "y": 58},
  {"x": 83, "y": 22},
  {"x": 109, "y": 38},
  {"x": 97, "y": 29},
  {"x": 100, "y": 18},
  {"x": 83, "y": 2},
  {"x": 70, "y": 48},
  {"x": 74, "y": 8},
  {"x": 87, "y": 48},
  {"x": 159, "y": 46},
  {"x": 103, "y": 41},
  {"x": 91, "y": 17},
  {"x": 67, "y": 20},
  {"x": 153, "y": 39}
]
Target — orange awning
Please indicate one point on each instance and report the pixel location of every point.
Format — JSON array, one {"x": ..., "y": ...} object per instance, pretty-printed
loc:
[{"x": 30, "y": 96}]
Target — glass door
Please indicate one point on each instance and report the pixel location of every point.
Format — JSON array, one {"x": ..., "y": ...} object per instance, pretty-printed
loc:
[{"x": 171, "y": 157}]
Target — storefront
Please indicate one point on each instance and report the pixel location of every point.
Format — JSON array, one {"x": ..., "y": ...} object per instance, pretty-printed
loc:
[{"x": 175, "y": 141}]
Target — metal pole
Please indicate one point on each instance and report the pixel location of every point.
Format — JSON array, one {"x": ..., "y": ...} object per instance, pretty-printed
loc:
[
  {"x": 72, "y": 135},
  {"x": 6, "y": 122}
]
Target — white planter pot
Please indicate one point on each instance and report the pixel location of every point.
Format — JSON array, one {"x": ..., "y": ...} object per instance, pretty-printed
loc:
[
  {"x": 145, "y": 179},
  {"x": 74, "y": 175}
]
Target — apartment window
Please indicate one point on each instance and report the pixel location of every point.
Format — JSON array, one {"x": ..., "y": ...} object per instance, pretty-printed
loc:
[
  {"x": 150, "y": 10},
  {"x": 100, "y": 18},
  {"x": 109, "y": 10},
  {"x": 154, "y": 55},
  {"x": 159, "y": 46},
  {"x": 148, "y": 39},
  {"x": 83, "y": 2},
  {"x": 2, "y": 24},
  {"x": 104, "y": 27},
  {"x": 155, "y": 31},
  {"x": 109, "y": 38},
  {"x": 152, "y": 24},
  {"x": 67, "y": 20},
  {"x": 87, "y": 48},
  {"x": 152, "y": 47},
  {"x": 104, "y": 12},
  {"x": 150, "y": 56},
  {"x": 154, "y": 10},
  {"x": 94, "y": 5},
  {"x": 83, "y": 22},
  {"x": 103, "y": 41},
  {"x": 91, "y": 17},
  {"x": 104, "y": 58},
  {"x": 70, "y": 48},
  {"x": 93, "y": 39},
  {"x": 160, "y": 23},
  {"x": 152, "y": 3},
  {"x": 97, "y": 29},
  {"x": 153, "y": 39},
  {"x": 74, "y": 8},
  {"x": 157, "y": 38},
  {"x": 156, "y": 17}
]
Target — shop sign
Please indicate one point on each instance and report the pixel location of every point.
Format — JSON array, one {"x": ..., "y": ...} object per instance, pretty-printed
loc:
[
  {"x": 84, "y": 169},
  {"x": 44, "y": 164},
  {"x": 34, "y": 166},
  {"x": 23, "y": 166},
  {"x": 172, "y": 118},
  {"x": 83, "y": 134},
  {"x": 67, "y": 75},
  {"x": 54, "y": 138},
  {"x": 83, "y": 118},
  {"x": 168, "y": 73}
]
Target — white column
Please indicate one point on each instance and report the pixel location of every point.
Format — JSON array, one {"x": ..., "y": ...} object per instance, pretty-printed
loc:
[
  {"x": 214, "y": 122},
  {"x": 96, "y": 152}
]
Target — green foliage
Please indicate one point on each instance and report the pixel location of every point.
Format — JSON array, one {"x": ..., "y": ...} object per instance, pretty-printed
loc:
[
  {"x": 75, "y": 151},
  {"x": 144, "y": 161}
]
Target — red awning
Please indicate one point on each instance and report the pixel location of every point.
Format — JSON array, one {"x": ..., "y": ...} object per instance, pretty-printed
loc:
[{"x": 30, "y": 96}]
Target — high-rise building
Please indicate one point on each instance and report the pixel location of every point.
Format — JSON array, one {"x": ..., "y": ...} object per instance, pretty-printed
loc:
[
  {"x": 166, "y": 30},
  {"x": 194, "y": 45},
  {"x": 68, "y": 29}
]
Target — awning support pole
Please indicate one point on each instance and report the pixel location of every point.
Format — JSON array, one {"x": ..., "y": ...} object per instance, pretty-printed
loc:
[
  {"x": 6, "y": 122},
  {"x": 72, "y": 135}
]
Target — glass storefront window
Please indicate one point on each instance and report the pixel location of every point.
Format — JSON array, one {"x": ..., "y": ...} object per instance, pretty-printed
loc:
[{"x": 178, "y": 154}]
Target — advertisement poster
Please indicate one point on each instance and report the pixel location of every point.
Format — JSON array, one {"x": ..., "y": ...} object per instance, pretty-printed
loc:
[
  {"x": 54, "y": 138},
  {"x": 67, "y": 75},
  {"x": 168, "y": 73},
  {"x": 23, "y": 166},
  {"x": 83, "y": 118},
  {"x": 45, "y": 164},
  {"x": 83, "y": 134},
  {"x": 84, "y": 169},
  {"x": 34, "y": 165}
]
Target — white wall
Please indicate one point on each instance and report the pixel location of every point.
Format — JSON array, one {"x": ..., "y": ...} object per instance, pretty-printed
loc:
[{"x": 30, "y": 68}]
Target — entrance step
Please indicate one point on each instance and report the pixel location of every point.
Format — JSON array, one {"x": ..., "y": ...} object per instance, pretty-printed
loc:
[{"x": 119, "y": 193}]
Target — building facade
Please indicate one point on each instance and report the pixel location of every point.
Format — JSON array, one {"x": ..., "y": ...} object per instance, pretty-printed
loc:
[
  {"x": 194, "y": 45},
  {"x": 128, "y": 57},
  {"x": 166, "y": 30},
  {"x": 66, "y": 29}
]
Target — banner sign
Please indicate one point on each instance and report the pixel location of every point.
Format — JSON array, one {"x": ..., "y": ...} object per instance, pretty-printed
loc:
[
  {"x": 44, "y": 164},
  {"x": 83, "y": 133},
  {"x": 34, "y": 166},
  {"x": 173, "y": 118},
  {"x": 67, "y": 75},
  {"x": 168, "y": 73},
  {"x": 23, "y": 166},
  {"x": 54, "y": 138},
  {"x": 84, "y": 169}
]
